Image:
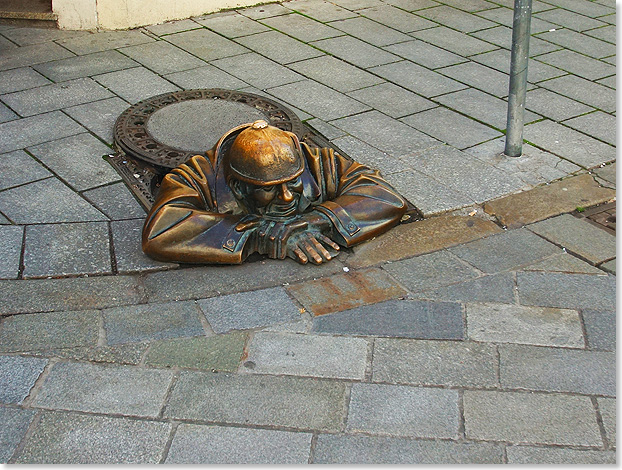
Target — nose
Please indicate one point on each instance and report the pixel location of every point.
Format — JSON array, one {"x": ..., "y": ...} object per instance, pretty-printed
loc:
[{"x": 285, "y": 194}]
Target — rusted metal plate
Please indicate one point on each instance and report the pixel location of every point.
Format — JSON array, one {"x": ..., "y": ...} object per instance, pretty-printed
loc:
[{"x": 602, "y": 216}]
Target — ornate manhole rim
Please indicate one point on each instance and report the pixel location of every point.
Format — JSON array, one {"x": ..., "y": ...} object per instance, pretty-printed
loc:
[{"x": 132, "y": 137}]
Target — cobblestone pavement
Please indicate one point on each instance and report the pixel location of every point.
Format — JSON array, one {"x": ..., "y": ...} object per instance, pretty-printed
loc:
[{"x": 484, "y": 333}]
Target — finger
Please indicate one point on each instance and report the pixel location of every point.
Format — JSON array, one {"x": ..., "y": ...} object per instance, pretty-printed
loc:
[
  {"x": 272, "y": 239},
  {"x": 311, "y": 253},
  {"x": 302, "y": 258},
  {"x": 320, "y": 249},
  {"x": 286, "y": 233},
  {"x": 244, "y": 226},
  {"x": 324, "y": 239}
]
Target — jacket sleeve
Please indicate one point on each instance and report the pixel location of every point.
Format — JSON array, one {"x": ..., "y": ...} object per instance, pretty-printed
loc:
[
  {"x": 184, "y": 225},
  {"x": 358, "y": 201}
]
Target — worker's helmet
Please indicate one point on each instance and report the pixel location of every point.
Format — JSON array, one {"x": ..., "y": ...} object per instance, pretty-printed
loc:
[{"x": 264, "y": 155}]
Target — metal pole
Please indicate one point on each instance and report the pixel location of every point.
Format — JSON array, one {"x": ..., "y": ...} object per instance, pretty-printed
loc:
[{"x": 521, "y": 31}]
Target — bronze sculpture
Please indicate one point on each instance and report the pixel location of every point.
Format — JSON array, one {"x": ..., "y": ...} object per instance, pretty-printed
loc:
[{"x": 260, "y": 190}]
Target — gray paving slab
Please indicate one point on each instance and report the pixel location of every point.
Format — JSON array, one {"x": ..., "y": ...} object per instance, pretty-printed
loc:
[
  {"x": 454, "y": 41},
  {"x": 600, "y": 329},
  {"x": 360, "y": 450},
  {"x": 479, "y": 76},
  {"x": 52, "y": 97},
  {"x": 293, "y": 402},
  {"x": 448, "y": 363},
  {"x": 494, "y": 288},
  {"x": 77, "y": 160},
  {"x": 527, "y": 417},
  {"x": 502, "y": 37},
  {"x": 506, "y": 323},
  {"x": 578, "y": 42},
  {"x": 336, "y": 74},
  {"x": 456, "y": 19},
  {"x": 131, "y": 353},
  {"x": 397, "y": 18},
  {"x": 257, "y": 71},
  {"x": 584, "y": 91},
  {"x": 6, "y": 114},
  {"x": 18, "y": 375},
  {"x": 570, "y": 19},
  {"x": 35, "y": 130},
  {"x": 162, "y": 57},
  {"x": 302, "y": 27},
  {"x": 265, "y": 11},
  {"x": 12, "y": 58},
  {"x": 392, "y": 100},
  {"x": 607, "y": 408},
  {"x": 554, "y": 105},
  {"x": 568, "y": 143},
  {"x": 231, "y": 24},
  {"x": 302, "y": 115},
  {"x": 306, "y": 355},
  {"x": 205, "y": 44},
  {"x": 99, "y": 117},
  {"x": 355, "y": 51},
  {"x": 205, "y": 77},
  {"x": 557, "y": 370},
  {"x": 171, "y": 27},
  {"x": 451, "y": 127},
  {"x": 417, "y": 78},
  {"x": 95, "y": 388},
  {"x": 396, "y": 318},
  {"x": 606, "y": 33},
  {"x": 423, "y": 53},
  {"x": 21, "y": 79},
  {"x": 370, "y": 31},
  {"x": 327, "y": 130},
  {"x": 152, "y": 322},
  {"x": 578, "y": 64},
  {"x": 4, "y": 220},
  {"x": 194, "y": 444},
  {"x": 105, "y": 40},
  {"x": 609, "y": 266},
  {"x": 597, "y": 124},
  {"x": 473, "y": 6},
  {"x": 10, "y": 251},
  {"x": 566, "y": 290},
  {"x": 505, "y": 16},
  {"x": 370, "y": 156},
  {"x": 499, "y": 59},
  {"x": 13, "y": 425},
  {"x": 320, "y": 10},
  {"x": 563, "y": 263},
  {"x": 386, "y": 134},
  {"x": 84, "y": 66},
  {"x": 30, "y": 203},
  {"x": 318, "y": 100},
  {"x": 135, "y": 84},
  {"x": 557, "y": 456},
  {"x": 397, "y": 410},
  {"x": 279, "y": 47},
  {"x": 66, "y": 249},
  {"x": 68, "y": 438},
  {"x": 115, "y": 201},
  {"x": 47, "y": 331}
]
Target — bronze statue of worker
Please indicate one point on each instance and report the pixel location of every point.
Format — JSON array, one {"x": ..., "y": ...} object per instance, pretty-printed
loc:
[{"x": 260, "y": 190}]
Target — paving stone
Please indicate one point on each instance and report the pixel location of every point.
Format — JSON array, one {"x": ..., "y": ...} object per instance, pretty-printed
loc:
[
  {"x": 85, "y": 66},
  {"x": 52, "y": 97},
  {"x": 557, "y": 370},
  {"x": 370, "y": 156},
  {"x": 17, "y": 376},
  {"x": 429, "y": 271},
  {"x": 205, "y": 77},
  {"x": 578, "y": 236},
  {"x": 569, "y": 19},
  {"x": 503, "y": 323},
  {"x": 502, "y": 37},
  {"x": 216, "y": 353},
  {"x": 453, "y": 41},
  {"x": 327, "y": 130},
  {"x": 567, "y": 290},
  {"x": 6, "y": 114},
  {"x": 257, "y": 70},
  {"x": 131, "y": 353},
  {"x": 598, "y": 124},
  {"x": 606, "y": 33},
  {"x": 480, "y": 106},
  {"x": 68, "y": 294},
  {"x": 392, "y": 100},
  {"x": 171, "y": 27},
  {"x": 67, "y": 438},
  {"x": 456, "y": 19},
  {"x": 293, "y": 402},
  {"x": 582, "y": 90},
  {"x": 104, "y": 40},
  {"x": 607, "y": 173},
  {"x": 49, "y": 331},
  {"x": 448, "y": 363},
  {"x": 104, "y": 389},
  {"x": 543, "y": 202},
  {"x": 65, "y": 249},
  {"x": 21, "y": 79},
  {"x": 554, "y": 106},
  {"x": 135, "y": 84},
  {"x": 425, "y": 54},
  {"x": 10, "y": 250},
  {"x": 397, "y": 18},
  {"x": 370, "y": 31},
  {"x": 386, "y": 134},
  {"x": 278, "y": 47},
  {"x": 479, "y": 76},
  {"x": 116, "y": 201},
  {"x": 320, "y": 10},
  {"x": 578, "y": 64},
  {"x": 13, "y": 425},
  {"x": 600, "y": 329},
  {"x": 527, "y": 417},
  {"x": 225, "y": 445},
  {"x": 505, "y": 17},
  {"x": 494, "y": 288},
  {"x": 451, "y": 127},
  {"x": 36, "y": 129},
  {"x": 306, "y": 355},
  {"x": 162, "y": 57},
  {"x": 557, "y": 456},
  {"x": 12, "y": 58},
  {"x": 318, "y": 100},
  {"x": 265, "y": 11},
  {"x": 403, "y": 411},
  {"x": 345, "y": 291},
  {"x": 353, "y": 449},
  {"x": 25, "y": 36},
  {"x": 302, "y": 27},
  {"x": 431, "y": 234},
  {"x": 563, "y": 263},
  {"x": 99, "y": 117},
  {"x": 355, "y": 51},
  {"x": 609, "y": 266},
  {"x": 232, "y": 25},
  {"x": 473, "y": 6},
  {"x": 579, "y": 42},
  {"x": 412, "y": 5},
  {"x": 302, "y": 115},
  {"x": 336, "y": 74},
  {"x": 500, "y": 58},
  {"x": 417, "y": 78},
  {"x": 398, "y": 318},
  {"x": 607, "y": 407},
  {"x": 18, "y": 168},
  {"x": 151, "y": 322}
]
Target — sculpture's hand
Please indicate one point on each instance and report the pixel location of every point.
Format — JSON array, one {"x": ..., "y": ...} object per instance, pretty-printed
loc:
[{"x": 309, "y": 246}]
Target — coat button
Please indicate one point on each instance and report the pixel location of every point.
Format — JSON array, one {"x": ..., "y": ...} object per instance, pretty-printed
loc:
[{"x": 230, "y": 243}]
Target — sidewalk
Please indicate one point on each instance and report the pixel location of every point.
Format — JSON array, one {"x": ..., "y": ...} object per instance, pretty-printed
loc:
[{"x": 484, "y": 333}]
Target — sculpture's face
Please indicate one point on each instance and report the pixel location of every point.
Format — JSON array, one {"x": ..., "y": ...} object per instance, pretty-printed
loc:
[{"x": 278, "y": 201}]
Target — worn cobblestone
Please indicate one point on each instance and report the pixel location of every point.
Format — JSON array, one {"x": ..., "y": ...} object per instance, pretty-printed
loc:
[
  {"x": 17, "y": 377},
  {"x": 13, "y": 425}
]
